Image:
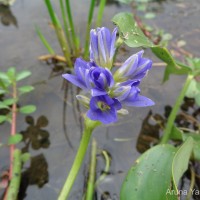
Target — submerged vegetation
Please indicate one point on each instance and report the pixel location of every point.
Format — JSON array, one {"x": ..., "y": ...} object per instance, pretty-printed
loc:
[{"x": 170, "y": 148}]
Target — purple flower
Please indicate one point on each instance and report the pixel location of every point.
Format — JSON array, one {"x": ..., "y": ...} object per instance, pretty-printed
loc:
[
  {"x": 89, "y": 76},
  {"x": 134, "y": 68},
  {"x": 129, "y": 95},
  {"x": 102, "y": 46},
  {"x": 109, "y": 93},
  {"x": 99, "y": 80},
  {"x": 81, "y": 69},
  {"x": 103, "y": 109}
]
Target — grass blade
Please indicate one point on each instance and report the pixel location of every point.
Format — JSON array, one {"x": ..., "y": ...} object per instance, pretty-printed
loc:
[{"x": 44, "y": 41}]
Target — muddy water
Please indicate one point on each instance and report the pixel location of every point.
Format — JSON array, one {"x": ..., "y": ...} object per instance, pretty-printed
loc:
[{"x": 20, "y": 47}]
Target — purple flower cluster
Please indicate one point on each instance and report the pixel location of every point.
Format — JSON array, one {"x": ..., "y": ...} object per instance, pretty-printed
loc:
[{"x": 109, "y": 92}]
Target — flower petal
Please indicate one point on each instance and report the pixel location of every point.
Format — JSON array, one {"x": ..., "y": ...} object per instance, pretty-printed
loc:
[
  {"x": 140, "y": 101},
  {"x": 74, "y": 80}
]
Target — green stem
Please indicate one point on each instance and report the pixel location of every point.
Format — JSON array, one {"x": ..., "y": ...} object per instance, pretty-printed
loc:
[
  {"x": 172, "y": 116},
  {"x": 91, "y": 180},
  {"x": 71, "y": 24},
  {"x": 106, "y": 169},
  {"x": 89, "y": 127},
  {"x": 89, "y": 22},
  {"x": 16, "y": 176},
  {"x": 100, "y": 13}
]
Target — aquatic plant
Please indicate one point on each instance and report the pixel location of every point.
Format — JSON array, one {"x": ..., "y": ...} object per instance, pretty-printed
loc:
[
  {"x": 110, "y": 91},
  {"x": 11, "y": 93}
]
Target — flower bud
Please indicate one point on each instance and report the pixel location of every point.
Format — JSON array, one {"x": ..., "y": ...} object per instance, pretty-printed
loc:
[
  {"x": 102, "y": 46},
  {"x": 83, "y": 100}
]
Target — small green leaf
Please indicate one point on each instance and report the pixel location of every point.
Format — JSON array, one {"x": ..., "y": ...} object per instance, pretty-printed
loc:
[
  {"x": 22, "y": 75},
  {"x": 150, "y": 15},
  {"x": 2, "y": 105},
  {"x": 27, "y": 109},
  {"x": 25, "y": 157},
  {"x": 193, "y": 89},
  {"x": 4, "y": 76},
  {"x": 11, "y": 73},
  {"x": 3, "y": 91},
  {"x": 197, "y": 99},
  {"x": 130, "y": 32},
  {"x": 167, "y": 36},
  {"x": 172, "y": 67},
  {"x": 14, "y": 139},
  {"x": 154, "y": 166},
  {"x": 176, "y": 133},
  {"x": 8, "y": 102},
  {"x": 3, "y": 118},
  {"x": 25, "y": 89}
]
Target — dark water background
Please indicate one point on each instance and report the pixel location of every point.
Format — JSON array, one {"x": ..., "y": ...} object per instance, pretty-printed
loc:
[{"x": 20, "y": 47}]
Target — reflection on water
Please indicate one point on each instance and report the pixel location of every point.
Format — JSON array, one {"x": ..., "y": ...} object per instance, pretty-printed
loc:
[
  {"x": 37, "y": 137},
  {"x": 36, "y": 174},
  {"x": 153, "y": 124},
  {"x": 34, "y": 135},
  {"x": 6, "y": 16}
]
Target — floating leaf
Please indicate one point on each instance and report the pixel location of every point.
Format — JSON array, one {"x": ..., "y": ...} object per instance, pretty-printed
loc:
[
  {"x": 154, "y": 166},
  {"x": 167, "y": 36},
  {"x": 14, "y": 139},
  {"x": 130, "y": 32},
  {"x": 150, "y": 15},
  {"x": 22, "y": 75},
  {"x": 181, "y": 43},
  {"x": 27, "y": 109},
  {"x": 125, "y": 1},
  {"x": 25, "y": 89},
  {"x": 25, "y": 157}
]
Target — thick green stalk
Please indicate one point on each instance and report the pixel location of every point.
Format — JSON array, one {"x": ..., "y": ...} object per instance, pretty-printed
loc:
[
  {"x": 89, "y": 127},
  {"x": 66, "y": 27},
  {"x": 91, "y": 180},
  {"x": 89, "y": 22},
  {"x": 100, "y": 13},
  {"x": 59, "y": 32},
  {"x": 16, "y": 176},
  {"x": 172, "y": 116},
  {"x": 71, "y": 25},
  {"x": 64, "y": 45}
]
